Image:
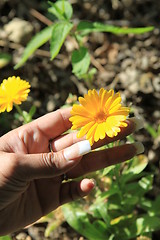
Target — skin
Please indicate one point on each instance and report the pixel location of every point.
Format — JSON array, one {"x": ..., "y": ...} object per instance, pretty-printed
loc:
[{"x": 31, "y": 177}]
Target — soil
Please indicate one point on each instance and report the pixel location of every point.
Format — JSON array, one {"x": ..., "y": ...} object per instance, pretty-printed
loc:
[{"x": 128, "y": 63}]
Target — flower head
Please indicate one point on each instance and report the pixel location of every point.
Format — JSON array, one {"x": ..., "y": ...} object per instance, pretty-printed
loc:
[
  {"x": 13, "y": 90},
  {"x": 98, "y": 115}
]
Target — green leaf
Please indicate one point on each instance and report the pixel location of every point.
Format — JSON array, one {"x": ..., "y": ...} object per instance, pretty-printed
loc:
[
  {"x": 88, "y": 27},
  {"x": 59, "y": 34},
  {"x": 80, "y": 61},
  {"x": 152, "y": 131},
  {"x": 147, "y": 224},
  {"x": 5, "y": 238},
  {"x": 146, "y": 182},
  {"x": 107, "y": 170},
  {"x": 141, "y": 187},
  {"x": 137, "y": 165},
  {"x": 37, "y": 41},
  {"x": 100, "y": 210},
  {"x": 155, "y": 209},
  {"x": 61, "y": 9},
  {"x": 114, "y": 189},
  {"x": 32, "y": 111},
  {"x": 5, "y": 58},
  {"x": 79, "y": 220}
]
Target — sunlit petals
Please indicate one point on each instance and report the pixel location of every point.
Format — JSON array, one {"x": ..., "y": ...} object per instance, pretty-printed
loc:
[
  {"x": 91, "y": 133},
  {"x": 99, "y": 115},
  {"x": 85, "y": 129},
  {"x": 80, "y": 121},
  {"x": 13, "y": 91}
]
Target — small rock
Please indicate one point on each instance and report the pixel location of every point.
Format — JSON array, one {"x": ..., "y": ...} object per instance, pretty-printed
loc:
[
  {"x": 51, "y": 105},
  {"x": 156, "y": 114},
  {"x": 106, "y": 76},
  {"x": 156, "y": 83},
  {"x": 19, "y": 31},
  {"x": 21, "y": 236},
  {"x": 130, "y": 79},
  {"x": 126, "y": 63},
  {"x": 146, "y": 83},
  {"x": 152, "y": 156},
  {"x": 144, "y": 63}
]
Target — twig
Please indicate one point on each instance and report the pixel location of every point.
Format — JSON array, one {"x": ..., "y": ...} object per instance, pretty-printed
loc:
[
  {"x": 101, "y": 50},
  {"x": 97, "y": 64},
  {"x": 38, "y": 52},
  {"x": 9, "y": 44},
  {"x": 40, "y": 17}
]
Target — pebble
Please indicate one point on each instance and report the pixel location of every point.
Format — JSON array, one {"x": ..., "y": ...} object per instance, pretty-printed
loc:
[
  {"x": 156, "y": 83},
  {"x": 21, "y": 236},
  {"x": 19, "y": 31}
]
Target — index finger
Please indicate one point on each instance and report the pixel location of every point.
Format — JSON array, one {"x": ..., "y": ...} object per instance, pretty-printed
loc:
[{"x": 53, "y": 124}]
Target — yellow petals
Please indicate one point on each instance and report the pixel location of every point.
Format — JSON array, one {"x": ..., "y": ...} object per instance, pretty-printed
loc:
[
  {"x": 13, "y": 91},
  {"x": 98, "y": 115}
]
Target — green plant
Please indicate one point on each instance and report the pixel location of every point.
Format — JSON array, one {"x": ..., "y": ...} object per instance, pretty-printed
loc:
[
  {"x": 155, "y": 133},
  {"x": 5, "y": 59},
  {"x": 64, "y": 26},
  {"x": 5, "y": 238},
  {"x": 120, "y": 208}
]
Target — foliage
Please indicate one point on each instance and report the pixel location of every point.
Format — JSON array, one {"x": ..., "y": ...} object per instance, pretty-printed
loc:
[
  {"x": 5, "y": 238},
  {"x": 121, "y": 209},
  {"x": 152, "y": 131},
  {"x": 65, "y": 26},
  {"x": 5, "y": 59},
  {"x": 26, "y": 116}
]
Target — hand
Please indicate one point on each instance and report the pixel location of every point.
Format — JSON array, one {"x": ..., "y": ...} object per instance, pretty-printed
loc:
[{"x": 31, "y": 183}]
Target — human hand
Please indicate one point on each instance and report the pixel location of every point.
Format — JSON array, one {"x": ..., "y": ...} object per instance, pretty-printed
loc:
[{"x": 31, "y": 183}]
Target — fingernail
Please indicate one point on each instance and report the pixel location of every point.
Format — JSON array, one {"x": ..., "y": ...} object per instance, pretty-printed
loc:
[
  {"x": 84, "y": 147},
  {"x": 77, "y": 150},
  {"x": 138, "y": 123},
  {"x": 139, "y": 147}
]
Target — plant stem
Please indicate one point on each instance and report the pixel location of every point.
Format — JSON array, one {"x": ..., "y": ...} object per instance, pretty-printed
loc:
[
  {"x": 116, "y": 171},
  {"x": 19, "y": 110}
]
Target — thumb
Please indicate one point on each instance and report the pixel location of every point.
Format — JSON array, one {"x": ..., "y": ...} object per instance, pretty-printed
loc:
[{"x": 44, "y": 165}]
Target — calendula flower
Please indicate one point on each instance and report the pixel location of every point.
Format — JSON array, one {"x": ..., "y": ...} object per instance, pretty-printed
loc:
[
  {"x": 13, "y": 91},
  {"x": 98, "y": 115}
]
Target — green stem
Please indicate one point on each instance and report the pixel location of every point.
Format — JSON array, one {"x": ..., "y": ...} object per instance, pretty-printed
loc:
[
  {"x": 77, "y": 40},
  {"x": 19, "y": 110},
  {"x": 116, "y": 172},
  {"x": 89, "y": 83}
]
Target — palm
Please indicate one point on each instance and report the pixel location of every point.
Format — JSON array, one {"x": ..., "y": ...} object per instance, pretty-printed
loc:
[
  {"x": 30, "y": 139},
  {"x": 39, "y": 189}
]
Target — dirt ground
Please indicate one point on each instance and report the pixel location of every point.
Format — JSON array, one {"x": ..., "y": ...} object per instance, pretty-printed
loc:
[{"x": 127, "y": 63}]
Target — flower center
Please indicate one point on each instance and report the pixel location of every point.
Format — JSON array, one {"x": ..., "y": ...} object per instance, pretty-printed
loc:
[{"x": 100, "y": 117}]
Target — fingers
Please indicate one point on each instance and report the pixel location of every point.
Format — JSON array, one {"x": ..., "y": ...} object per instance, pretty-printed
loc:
[
  {"x": 100, "y": 159},
  {"x": 61, "y": 142},
  {"x": 52, "y": 164},
  {"x": 71, "y": 191},
  {"x": 42, "y": 130},
  {"x": 52, "y": 124}
]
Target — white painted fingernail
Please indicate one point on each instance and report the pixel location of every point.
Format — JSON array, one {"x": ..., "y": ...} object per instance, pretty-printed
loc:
[
  {"x": 139, "y": 147},
  {"x": 138, "y": 123},
  {"x": 84, "y": 147},
  {"x": 77, "y": 150}
]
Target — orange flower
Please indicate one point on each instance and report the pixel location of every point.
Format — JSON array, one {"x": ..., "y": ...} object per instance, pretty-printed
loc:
[{"x": 98, "y": 115}]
